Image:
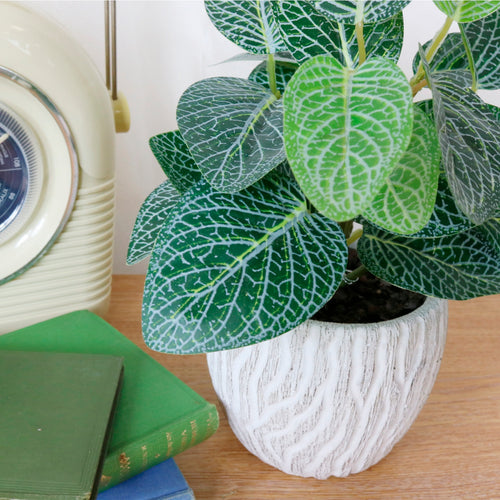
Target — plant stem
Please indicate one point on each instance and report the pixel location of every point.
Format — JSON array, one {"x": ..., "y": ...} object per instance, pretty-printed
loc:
[
  {"x": 271, "y": 72},
  {"x": 345, "y": 47},
  {"x": 351, "y": 277},
  {"x": 361, "y": 41},
  {"x": 419, "y": 86},
  {"x": 355, "y": 236},
  {"x": 431, "y": 51},
  {"x": 468, "y": 51}
]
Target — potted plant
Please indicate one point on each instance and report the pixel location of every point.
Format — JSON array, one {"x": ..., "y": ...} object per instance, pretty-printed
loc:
[{"x": 325, "y": 151}]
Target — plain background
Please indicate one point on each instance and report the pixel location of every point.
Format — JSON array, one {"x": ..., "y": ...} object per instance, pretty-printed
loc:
[{"x": 163, "y": 47}]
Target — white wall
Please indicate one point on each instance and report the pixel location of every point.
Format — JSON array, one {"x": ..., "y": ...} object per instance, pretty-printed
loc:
[{"x": 163, "y": 47}]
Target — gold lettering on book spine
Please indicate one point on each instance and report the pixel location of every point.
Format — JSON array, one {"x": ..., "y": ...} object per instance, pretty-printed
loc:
[
  {"x": 194, "y": 431},
  {"x": 184, "y": 439},
  {"x": 170, "y": 444},
  {"x": 124, "y": 464},
  {"x": 144, "y": 449}
]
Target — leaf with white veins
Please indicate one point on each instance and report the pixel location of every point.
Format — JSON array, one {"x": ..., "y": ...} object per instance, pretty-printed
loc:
[
  {"x": 234, "y": 130},
  {"x": 230, "y": 270},
  {"x": 345, "y": 131}
]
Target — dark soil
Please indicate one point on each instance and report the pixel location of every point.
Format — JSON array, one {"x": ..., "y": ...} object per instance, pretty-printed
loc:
[{"x": 368, "y": 300}]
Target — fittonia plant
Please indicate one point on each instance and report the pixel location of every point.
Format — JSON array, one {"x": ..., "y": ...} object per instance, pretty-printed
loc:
[{"x": 248, "y": 236}]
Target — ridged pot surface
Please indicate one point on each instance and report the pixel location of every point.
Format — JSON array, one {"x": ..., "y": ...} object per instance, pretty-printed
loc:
[{"x": 329, "y": 399}]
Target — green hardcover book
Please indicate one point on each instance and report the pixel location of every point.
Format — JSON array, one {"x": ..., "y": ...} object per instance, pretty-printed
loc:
[
  {"x": 158, "y": 415},
  {"x": 55, "y": 420}
]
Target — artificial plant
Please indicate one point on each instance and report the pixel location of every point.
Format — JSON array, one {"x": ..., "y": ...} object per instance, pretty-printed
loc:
[{"x": 249, "y": 234}]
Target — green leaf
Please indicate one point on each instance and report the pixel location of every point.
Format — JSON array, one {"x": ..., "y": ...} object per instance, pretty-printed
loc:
[
  {"x": 483, "y": 37},
  {"x": 371, "y": 11},
  {"x": 345, "y": 131},
  {"x": 149, "y": 221},
  {"x": 405, "y": 203},
  {"x": 248, "y": 24},
  {"x": 230, "y": 270},
  {"x": 450, "y": 55},
  {"x": 233, "y": 128},
  {"x": 484, "y": 40},
  {"x": 459, "y": 267},
  {"x": 175, "y": 159},
  {"x": 491, "y": 231},
  {"x": 309, "y": 33},
  {"x": 446, "y": 218},
  {"x": 469, "y": 134},
  {"x": 283, "y": 74},
  {"x": 465, "y": 11}
]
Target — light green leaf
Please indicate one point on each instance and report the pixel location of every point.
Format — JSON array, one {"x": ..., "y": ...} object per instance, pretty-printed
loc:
[
  {"x": 233, "y": 128},
  {"x": 149, "y": 221},
  {"x": 175, "y": 160},
  {"x": 230, "y": 270},
  {"x": 308, "y": 33},
  {"x": 465, "y": 11},
  {"x": 469, "y": 134},
  {"x": 405, "y": 203},
  {"x": 345, "y": 131},
  {"x": 248, "y": 24},
  {"x": 371, "y": 11},
  {"x": 459, "y": 267}
]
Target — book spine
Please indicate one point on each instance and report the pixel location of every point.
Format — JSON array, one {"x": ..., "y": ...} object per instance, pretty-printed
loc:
[{"x": 161, "y": 444}]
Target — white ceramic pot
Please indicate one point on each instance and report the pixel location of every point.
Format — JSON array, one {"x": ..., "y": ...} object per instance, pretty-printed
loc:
[{"x": 330, "y": 399}]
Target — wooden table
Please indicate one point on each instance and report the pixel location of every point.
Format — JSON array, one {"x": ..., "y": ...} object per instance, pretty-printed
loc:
[{"x": 451, "y": 452}]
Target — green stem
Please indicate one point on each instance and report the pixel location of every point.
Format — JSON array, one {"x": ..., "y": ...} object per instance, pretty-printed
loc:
[
  {"x": 271, "y": 71},
  {"x": 468, "y": 51},
  {"x": 419, "y": 86},
  {"x": 355, "y": 236},
  {"x": 349, "y": 278},
  {"x": 431, "y": 51},
  {"x": 361, "y": 42},
  {"x": 345, "y": 47}
]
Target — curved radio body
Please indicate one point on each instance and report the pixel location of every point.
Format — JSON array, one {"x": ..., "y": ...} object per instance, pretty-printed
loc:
[{"x": 56, "y": 173}]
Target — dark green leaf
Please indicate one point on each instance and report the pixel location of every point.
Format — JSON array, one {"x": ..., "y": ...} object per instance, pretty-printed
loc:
[
  {"x": 469, "y": 134},
  {"x": 149, "y": 221},
  {"x": 308, "y": 33},
  {"x": 446, "y": 218},
  {"x": 450, "y": 55},
  {"x": 233, "y": 128},
  {"x": 283, "y": 74},
  {"x": 371, "y": 11},
  {"x": 460, "y": 266},
  {"x": 484, "y": 39},
  {"x": 230, "y": 270},
  {"x": 175, "y": 159},
  {"x": 249, "y": 24}
]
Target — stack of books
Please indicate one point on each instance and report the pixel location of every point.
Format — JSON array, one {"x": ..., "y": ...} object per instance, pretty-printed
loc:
[{"x": 73, "y": 426}]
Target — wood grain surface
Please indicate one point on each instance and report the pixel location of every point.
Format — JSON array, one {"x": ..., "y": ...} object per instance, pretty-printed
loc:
[{"x": 451, "y": 452}]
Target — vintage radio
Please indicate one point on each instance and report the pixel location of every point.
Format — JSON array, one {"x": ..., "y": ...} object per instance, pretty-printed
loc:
[{"x": 56, "y": 173}]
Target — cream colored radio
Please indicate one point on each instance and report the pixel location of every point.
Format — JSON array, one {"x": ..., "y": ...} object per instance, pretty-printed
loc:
[{"x": 56, "y": 173}]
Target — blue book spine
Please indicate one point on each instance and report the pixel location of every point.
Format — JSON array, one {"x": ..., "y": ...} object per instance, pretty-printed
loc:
[{"x": 161, "y": 482}]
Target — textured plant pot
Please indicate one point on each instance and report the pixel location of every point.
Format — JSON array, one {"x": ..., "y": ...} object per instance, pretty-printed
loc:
[{"x": 329, "y": 399}]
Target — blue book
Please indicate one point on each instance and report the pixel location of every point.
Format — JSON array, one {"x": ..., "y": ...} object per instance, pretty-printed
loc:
[{"x": 161, "y": 482}]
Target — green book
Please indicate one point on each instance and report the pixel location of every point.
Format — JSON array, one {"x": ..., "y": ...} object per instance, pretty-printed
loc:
[
  {"x": 55, "y": 420},
  {"x": 158, "y": 415}
]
